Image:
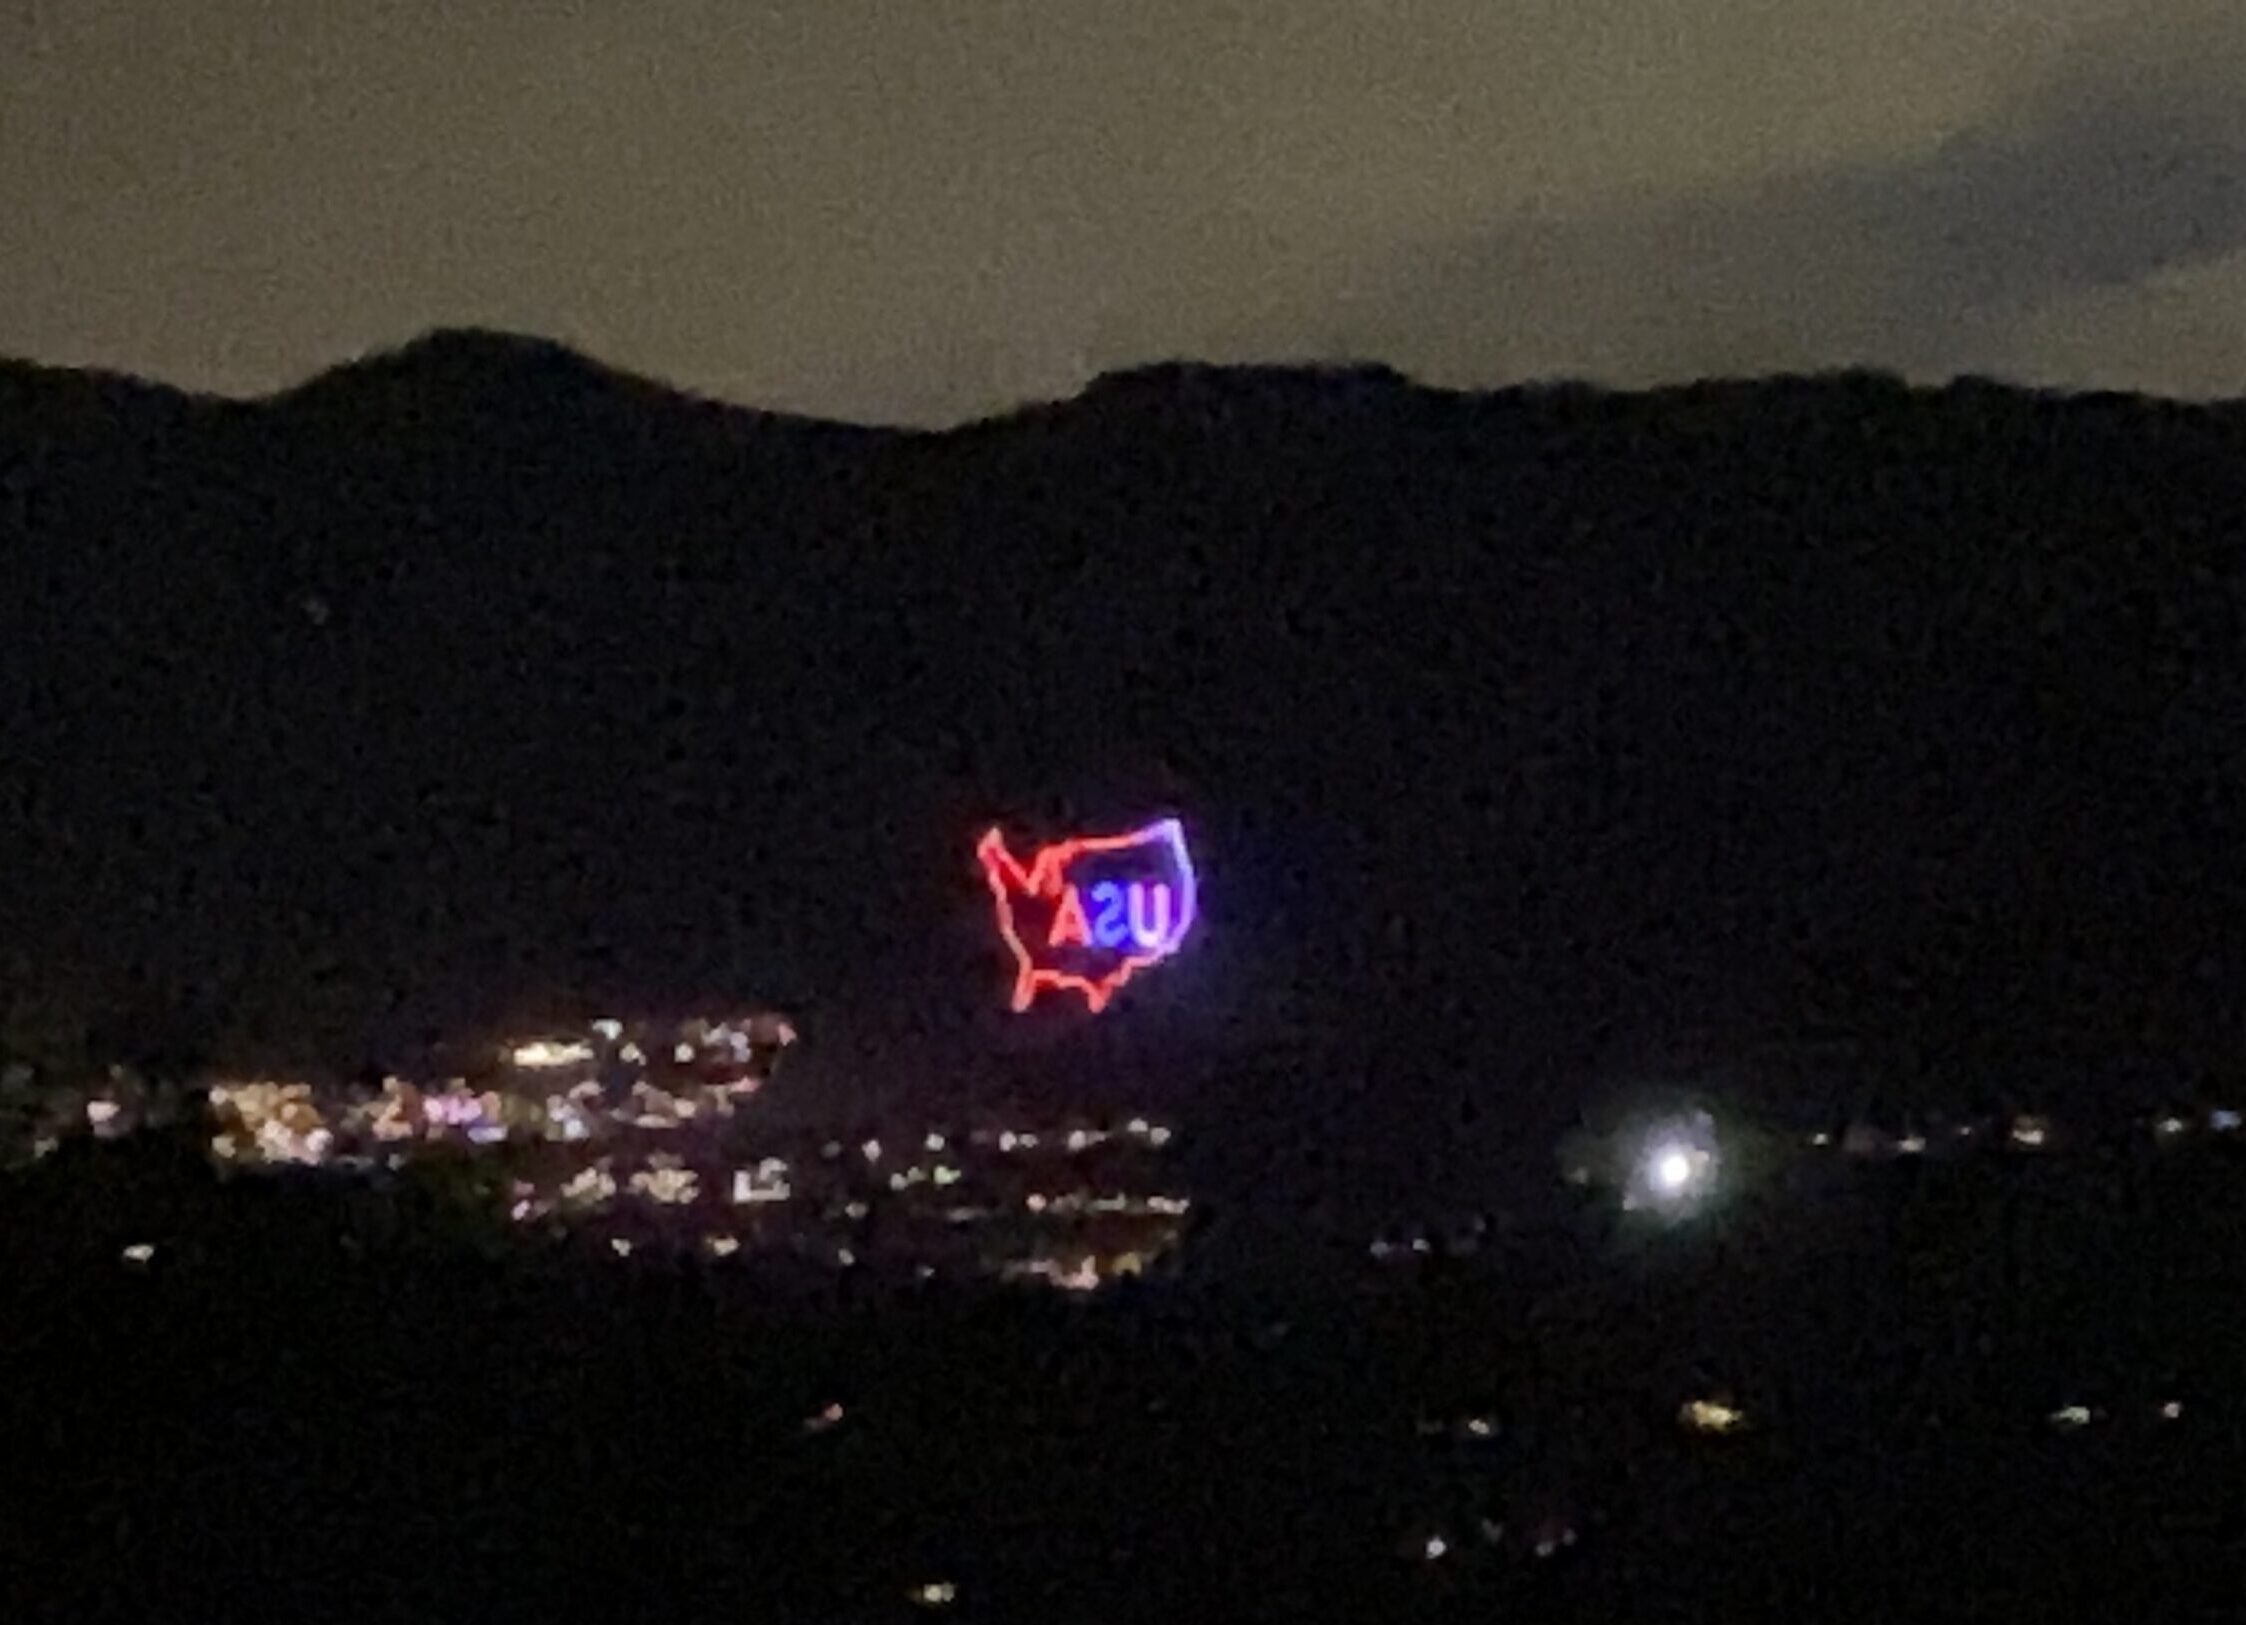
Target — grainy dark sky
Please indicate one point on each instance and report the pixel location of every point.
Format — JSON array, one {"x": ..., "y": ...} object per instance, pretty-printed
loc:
[{"x": 919, "y": 211}]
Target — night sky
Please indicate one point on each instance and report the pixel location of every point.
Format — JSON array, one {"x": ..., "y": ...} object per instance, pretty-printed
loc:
[{"x": 915, "y": 213}]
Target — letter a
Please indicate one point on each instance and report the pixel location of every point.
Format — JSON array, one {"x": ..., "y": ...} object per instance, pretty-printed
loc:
[{"x": 1069, "y": 926}]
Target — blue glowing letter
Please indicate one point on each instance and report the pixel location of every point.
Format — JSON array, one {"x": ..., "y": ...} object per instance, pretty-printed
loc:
[
  {"x": 1150, "y": 927},
  {"x": 1108, "y": 929}
]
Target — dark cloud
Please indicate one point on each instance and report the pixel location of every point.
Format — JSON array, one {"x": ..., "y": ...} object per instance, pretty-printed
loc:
[{"x": 2122, "y": 172}]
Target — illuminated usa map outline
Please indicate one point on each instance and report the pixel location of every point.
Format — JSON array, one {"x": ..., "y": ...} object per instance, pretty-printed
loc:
[{"x": 1047, "y": 876}]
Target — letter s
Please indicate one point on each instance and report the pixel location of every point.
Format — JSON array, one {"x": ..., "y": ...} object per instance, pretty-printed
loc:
[{"x": 1108, "y": 927}]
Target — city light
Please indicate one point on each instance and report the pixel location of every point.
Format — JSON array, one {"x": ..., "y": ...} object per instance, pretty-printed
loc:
[
  {"x": 541, "y": 1053},
  {"x": 766, "y": 1182},
  {"x": 667, "y": 1184},
  {"x": 1710, "y": 1416},
  {"x": 566, "y": 1136}
]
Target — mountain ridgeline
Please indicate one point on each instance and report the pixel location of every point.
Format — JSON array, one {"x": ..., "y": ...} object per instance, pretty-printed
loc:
[{"x": 1520, "y": 734}]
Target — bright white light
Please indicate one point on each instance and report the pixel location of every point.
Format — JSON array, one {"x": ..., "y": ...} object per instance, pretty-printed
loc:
[
  {"x": 139, "y": 1253},
  {"x": 675, "y": 1186},
  {"x": 100, "y": 1112},
  {"x": 543, "y": 1054},
  {"x": 589, "y": 1187},
  {"x": 1437, "y": 1546},
  {"x": 1672, "y": 1171},
  {"x": 934, "y": 1142},
  {"x": 935, "y": 1594},
  {"x": 609, "y": 1028},
  {"x": 682, "y": 1053},
  {"x": 872, "y": 1150},
  {"x": 1710, "y": 1416},
  {"x": 760, "y": 1184}
]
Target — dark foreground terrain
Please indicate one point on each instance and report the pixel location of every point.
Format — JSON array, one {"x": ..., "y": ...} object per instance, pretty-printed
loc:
[{"x": 312, "y": 1403}]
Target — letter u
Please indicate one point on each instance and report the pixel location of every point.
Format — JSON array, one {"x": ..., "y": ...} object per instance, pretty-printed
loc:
[{"x": 1150, "y": 915}]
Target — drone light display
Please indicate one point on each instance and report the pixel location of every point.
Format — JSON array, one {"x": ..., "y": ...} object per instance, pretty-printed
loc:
[{"x": 1087, "y": 914}]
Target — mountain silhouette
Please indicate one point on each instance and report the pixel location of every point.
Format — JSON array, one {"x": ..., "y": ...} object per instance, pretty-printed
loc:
[{"x": 1521, "y": 734}]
